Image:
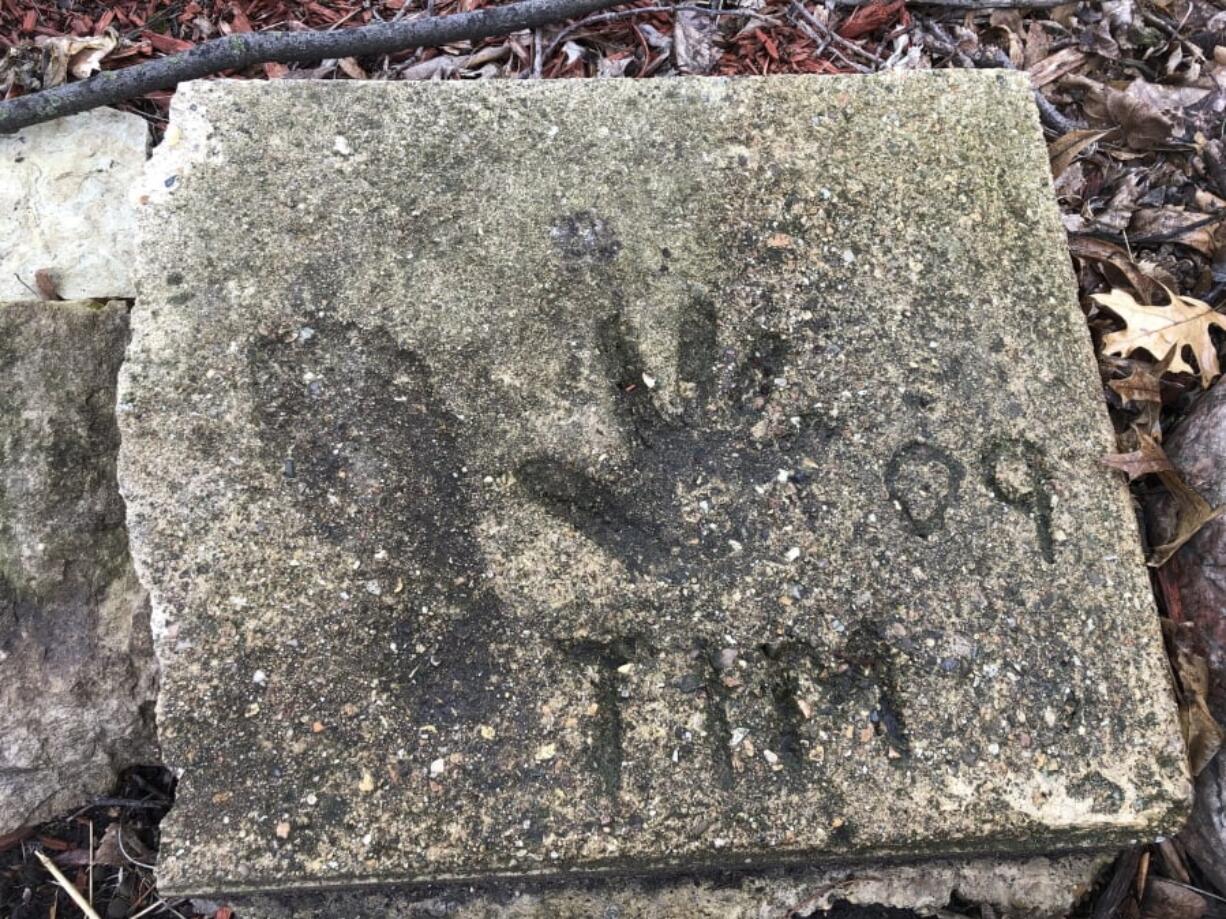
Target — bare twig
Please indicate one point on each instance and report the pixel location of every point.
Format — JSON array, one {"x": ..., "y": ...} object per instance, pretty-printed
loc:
[
  {"x": 150, "y": 908},
  {"x": 833, "y": 37},
  {"x": 538, "y": 59},
  {"x": 242, "y": 50},
  {"x": 68, "y": 886},
  {"x": 1153, "y": 239},
  {"x": 598, "y": 18},
  {"x": 124, "y": 852},
  {"x": 1052, "y": 117}
]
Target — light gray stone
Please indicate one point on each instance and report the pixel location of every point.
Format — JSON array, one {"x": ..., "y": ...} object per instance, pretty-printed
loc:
[
  {"x": 1035, "y": 888},
  {"x": 625, "y": 477},
  {"x": 65, "y": 196},
  {"x": 76, "y": 659}
]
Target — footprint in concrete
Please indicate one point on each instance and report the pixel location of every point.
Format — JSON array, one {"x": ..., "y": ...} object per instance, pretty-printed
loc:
[{"x": 369, "y": 453}]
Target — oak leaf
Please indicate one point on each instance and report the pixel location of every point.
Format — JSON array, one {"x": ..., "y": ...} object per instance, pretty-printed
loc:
[
  {"x": 1144, "y": 384},
  {"x": 1148, "y": 459},
  {"x": 1156, "y": 329},
  {"x": 1192, "y": 510}
]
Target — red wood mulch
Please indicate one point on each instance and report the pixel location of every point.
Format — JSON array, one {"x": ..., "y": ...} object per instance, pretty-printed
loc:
[{"x": 772, "y": 43}]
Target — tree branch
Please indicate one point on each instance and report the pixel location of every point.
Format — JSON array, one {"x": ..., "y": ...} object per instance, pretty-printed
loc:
[{"x": 240, "y": 51}]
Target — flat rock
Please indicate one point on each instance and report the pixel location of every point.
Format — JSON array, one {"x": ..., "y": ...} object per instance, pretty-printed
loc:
[
  {"x": 628, "y": 476},
  {"x": 76, "y": 659},
  {"x": 64, "y": 191}
]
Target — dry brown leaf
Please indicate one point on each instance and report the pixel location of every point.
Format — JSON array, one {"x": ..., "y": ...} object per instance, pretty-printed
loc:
[
  {"x": 1143, "y": 124},
  {"x": 1170, "y": 222},
  {"x": 1157, "y": 329},
  {"x": 1064, "y": 149},
  {"x": 1143, "y": 389},
  {"x": 1099, "y": 250},
  {"x": 77, "y": 56},
  {"x": 45, "y": 283},
  {"x": 1148, "y": 459},
  {"x": 1165, "y": 899},
  {"x": 1202, "y": 734},
  {"x": 694, "y": 49},
  {"x": 1053, "y": 68},
  {"x": 1192, "y": 513},
  {"x": 351, "y": 68}
]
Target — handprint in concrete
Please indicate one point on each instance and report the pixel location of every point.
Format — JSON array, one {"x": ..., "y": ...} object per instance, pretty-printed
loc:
[
  {"x": 697, "y": 516},
  {"x": 369, "y": 453},
  {"x": 710, "y": 448}
]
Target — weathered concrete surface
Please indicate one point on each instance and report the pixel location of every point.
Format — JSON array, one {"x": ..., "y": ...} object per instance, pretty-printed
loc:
[
  {"x": 619, "y": 477},
  {"x": 1035, "y": 888},
  {"x": 76, "y": 660},
  {"x": 64, "y": 194}
]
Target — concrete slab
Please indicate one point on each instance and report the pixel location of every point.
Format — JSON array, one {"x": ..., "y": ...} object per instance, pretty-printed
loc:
[
  {"x": 64, "y": 191},
  {"x": 1034, "y": 888},
  {"x": 549, "y": 478},
  {"x": 76, "y": 660}
]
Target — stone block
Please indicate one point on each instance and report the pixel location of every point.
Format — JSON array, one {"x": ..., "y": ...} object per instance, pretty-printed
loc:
[
  {"x": 65, "y": 193},
  {"x": 76, "y": 659},
  {"x": 1034, "y": 888},
  {"x": 628, "y": 476}
]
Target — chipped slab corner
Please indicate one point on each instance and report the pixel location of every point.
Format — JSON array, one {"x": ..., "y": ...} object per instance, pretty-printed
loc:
[{"x": 617, "y": 477}]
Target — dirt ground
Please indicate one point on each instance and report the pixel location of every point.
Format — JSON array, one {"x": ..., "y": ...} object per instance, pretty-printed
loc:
[{"x": 1131, "y": 93}]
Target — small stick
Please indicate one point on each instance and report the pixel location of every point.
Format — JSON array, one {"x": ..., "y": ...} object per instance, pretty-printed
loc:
[
  {"x": 158, "y": 903},
  {"x": 124, "y": 852},
  {"x": 68, "y": 886},
  {"x": 598, "y": 18},
  {"x": 834, "y": 36}
]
